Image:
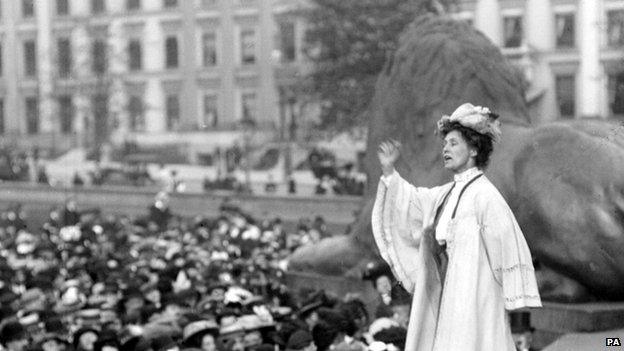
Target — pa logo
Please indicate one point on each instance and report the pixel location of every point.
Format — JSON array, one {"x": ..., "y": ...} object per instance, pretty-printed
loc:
[{"x": 613, "y": 342}]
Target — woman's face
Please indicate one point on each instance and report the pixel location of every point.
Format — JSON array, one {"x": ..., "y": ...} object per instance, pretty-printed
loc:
[
  {"x": 208, "y": 343},
  {"x": 458, "y": 156}
]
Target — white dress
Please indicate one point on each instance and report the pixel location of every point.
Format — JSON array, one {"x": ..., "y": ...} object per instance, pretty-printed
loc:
[{"x": 489, "y": 272}]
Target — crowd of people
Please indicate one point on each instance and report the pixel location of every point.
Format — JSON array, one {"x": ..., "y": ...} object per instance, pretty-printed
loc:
[{"x": 87, "y": 280}]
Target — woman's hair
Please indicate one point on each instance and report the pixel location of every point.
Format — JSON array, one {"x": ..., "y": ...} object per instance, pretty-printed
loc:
[{"x": 480, "y": 142}]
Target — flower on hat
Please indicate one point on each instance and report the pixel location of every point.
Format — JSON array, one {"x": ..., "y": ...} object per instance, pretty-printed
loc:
[{"x": 478, "y": 118}]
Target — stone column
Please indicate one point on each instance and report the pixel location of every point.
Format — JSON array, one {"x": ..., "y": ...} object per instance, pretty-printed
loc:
[
  {"x": 79, "y": 7},
  {"x": 539, "y": 25},
  {"x": 14, "y": 121},
  {"x": 590, "y": 72},
  {"x": 81, "y": 49},
  {"x": 228, "y": 63},
  {"x": 153, "y": 61},
  {"x": 267, "y": 102},
  {"x": 117, "y": 66},
  {"x": 47, "y": 116},
  {"x": 489, "y": 21},
  {"x": 539, "y": 31},
  {"x": 188, "y": 67}
]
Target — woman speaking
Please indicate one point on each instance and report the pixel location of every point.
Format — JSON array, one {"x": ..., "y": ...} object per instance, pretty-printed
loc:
[{"x": 457, "y": 247}]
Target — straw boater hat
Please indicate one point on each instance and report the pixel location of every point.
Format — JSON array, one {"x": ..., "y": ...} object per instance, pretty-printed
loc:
[{"x": 477, "y": 118}]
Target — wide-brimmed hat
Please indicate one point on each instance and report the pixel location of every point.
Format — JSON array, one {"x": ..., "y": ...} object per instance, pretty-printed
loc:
[
  {"x": 299, "y": 340},
  {"x": 12, "y": 331},
  {"x": 478, "y": 118},
  {"x": 247, "y": 323},
  {"x": 200, "y": 327}
]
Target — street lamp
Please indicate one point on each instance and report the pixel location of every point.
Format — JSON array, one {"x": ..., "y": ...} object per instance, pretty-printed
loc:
[{"x": 248, "y": 125}]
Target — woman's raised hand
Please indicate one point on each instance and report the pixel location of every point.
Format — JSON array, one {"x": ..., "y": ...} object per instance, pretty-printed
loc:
[{"x": 388, "y": 152}]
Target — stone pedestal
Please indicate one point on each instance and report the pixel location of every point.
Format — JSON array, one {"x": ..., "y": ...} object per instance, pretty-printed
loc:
[{"x": 556, "y": 321}]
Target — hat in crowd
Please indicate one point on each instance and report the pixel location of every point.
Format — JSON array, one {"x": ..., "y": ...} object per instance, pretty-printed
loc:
[
  {"x": 136, "y": 343},
  {"x": 7, "y": 296},
  {"x": 43, "y": 283},
  {"x": 247, "y": 323},
  {"x": 76, "y": 336},
  {"x": 106, "y": 338},
  {"x": 6, "y": 311},
  {"x": 380, "y": 324},
  {"x": 29, "y": 319},
  {"x": 32, "y": 298},
  {"x": 299, "y": 340},
  {"x": 201, "y": 327},
  {"x": 333, "y": 318},
  {"x": 381, "y": 346},
  {"x": 163, "y": 343},
  {"x": 89, "y": 316},
  {"x": 71, "y": 300},
  {"x": 55, "y": 329},
  {"x": 520, "y": 322},
  {"x": 12, "y": 331},
  {"x": 262, "y": 347},
  {"x": 395, "y": 335}
]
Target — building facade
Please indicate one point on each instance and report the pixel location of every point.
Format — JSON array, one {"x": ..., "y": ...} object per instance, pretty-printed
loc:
[
  {"x": 570, "y": 51},
  {"x": 80, "y": 72}
]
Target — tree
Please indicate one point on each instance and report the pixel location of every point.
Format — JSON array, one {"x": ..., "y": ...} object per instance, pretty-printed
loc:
[{"x": 348, "y": 42}]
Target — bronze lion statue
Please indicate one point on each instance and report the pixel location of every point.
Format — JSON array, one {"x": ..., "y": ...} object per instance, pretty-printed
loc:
[{"x": 564, "y": 180}]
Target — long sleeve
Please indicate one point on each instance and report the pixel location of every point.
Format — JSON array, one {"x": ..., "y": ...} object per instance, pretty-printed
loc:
[
  {"x": 397, "y": 221},
  {"x": 507, "y": 251}
]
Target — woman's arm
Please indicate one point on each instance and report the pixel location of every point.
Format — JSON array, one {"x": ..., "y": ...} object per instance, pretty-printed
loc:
[{"x": 398, "y": 217}]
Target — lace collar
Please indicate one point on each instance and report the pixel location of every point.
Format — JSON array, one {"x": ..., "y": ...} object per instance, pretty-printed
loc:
[{"x": 466, "y": 175}]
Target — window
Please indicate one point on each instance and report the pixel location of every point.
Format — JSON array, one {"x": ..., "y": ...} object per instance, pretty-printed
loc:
[
  {"x": 97, "y": 7},
  {"x": 512, "y": 31},
  {"x": 136, "y": 113},
  {"x": 248, "y": 106},
  {"x": 615, "y": 28},
  {"x": 171, "y": 52},
  {"x": 248, "y": 46},
  {"x": 28, "y": 8},
  {"x": 565, "y": 88},
  {"x": 99, "y": 62},
  {"x": 64, "y": 57},
  {"x": 30, "y": 58},
  {"x": 616, "y": 93},
  {"x": 2, "y": 129},
  {"x": 66, "y": 113},
  {"x": 32, "y": 115},
  {"x": 134, "y": 55},
  {"x": 209, "y": 49},
  {"x": 170, "y": 3},
  {"x": 287, "y": 41},
  {"x": 62, "y": 7},
  {"x": 210, "y": 112},
  {"x": 565, "y": 30},
  {"x": 99, "y": 105},
  {"x": 173, "y": 112},
  {"x": 133, "y": 5}
]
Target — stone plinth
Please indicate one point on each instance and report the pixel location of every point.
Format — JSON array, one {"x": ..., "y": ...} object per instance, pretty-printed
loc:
[{"x": 586, "y": 317}]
